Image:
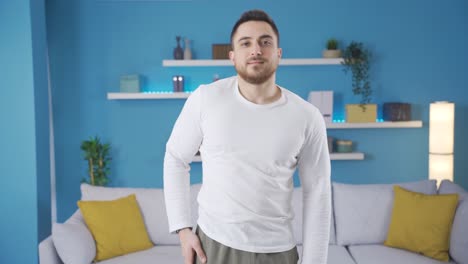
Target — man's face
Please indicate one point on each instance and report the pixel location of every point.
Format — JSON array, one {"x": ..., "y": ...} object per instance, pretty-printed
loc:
[{"x": 255, "y": 51}]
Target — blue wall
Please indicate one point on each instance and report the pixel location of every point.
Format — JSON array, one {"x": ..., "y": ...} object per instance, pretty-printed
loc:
[
  {"x": 24, "y": 153},
  {"x": 41, "y": 115},
  {"x": 420, "y": 57}
]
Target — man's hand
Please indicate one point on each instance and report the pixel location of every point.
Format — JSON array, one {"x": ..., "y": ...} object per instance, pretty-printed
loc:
[{"x": 191, "y": 246}]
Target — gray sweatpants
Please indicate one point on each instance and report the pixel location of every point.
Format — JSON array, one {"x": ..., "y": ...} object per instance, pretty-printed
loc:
[{"x": 217, "y": 253}]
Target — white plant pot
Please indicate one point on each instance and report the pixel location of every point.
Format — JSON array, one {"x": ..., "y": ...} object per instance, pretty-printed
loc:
[{"x": 331, "y": 54}]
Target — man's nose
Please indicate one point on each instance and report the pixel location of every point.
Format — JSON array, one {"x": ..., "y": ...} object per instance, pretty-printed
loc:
[{"x": 256, "y": 50}]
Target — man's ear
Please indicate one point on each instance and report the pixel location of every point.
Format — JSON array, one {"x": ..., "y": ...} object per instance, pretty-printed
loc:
[
  {"x": 280, "y": 53},
  {"x": 231, "y": 55}
]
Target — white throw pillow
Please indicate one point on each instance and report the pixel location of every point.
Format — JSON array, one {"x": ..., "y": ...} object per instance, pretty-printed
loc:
[{"x": 73, "y": 242}]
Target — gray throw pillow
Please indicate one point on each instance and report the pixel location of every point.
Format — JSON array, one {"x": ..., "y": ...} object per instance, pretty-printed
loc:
[
  {"x": 459, "y": 235},
  {"x": 363, "y": 211}
]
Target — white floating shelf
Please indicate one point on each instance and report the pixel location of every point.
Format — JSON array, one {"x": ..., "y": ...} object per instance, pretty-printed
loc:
[
  {"x": 318, "y": 61},
  {"x": 286, "y": 62},
  {"x": 129, "y": 96},
  {"x": 347, "y": 156},
  {"x": 334, "y": 125},
  {"x": 386, "y": 124},
  {"x": 192, "y": 63},
  {"x": 333, "y": 156}
]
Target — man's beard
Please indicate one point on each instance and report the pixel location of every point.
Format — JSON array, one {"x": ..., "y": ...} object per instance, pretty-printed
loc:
[{"x": 258, "y": 77}]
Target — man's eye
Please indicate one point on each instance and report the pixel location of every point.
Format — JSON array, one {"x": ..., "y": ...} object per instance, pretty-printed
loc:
[
  {"x": 266, "y": 42},
  {"x": 245, "y": 44}
]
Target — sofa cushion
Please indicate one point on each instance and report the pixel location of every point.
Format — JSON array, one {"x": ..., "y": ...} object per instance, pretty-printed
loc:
[
  {"x": 73, "y": 241},
  {"x": 363, "y": 211},
  {"x": 372, "y": 254},
  {"x": 152, "y": 207},
  {"x": 459, "y": 235},
  {"x": 297, "y": 221},
  {"x": 157, "y": 254},
  {"x": 117, "y": 226},
  {"x": 173, "y": 254},
  {"x": 421, "y": 223},
  {"x": 336, "y": 255}
]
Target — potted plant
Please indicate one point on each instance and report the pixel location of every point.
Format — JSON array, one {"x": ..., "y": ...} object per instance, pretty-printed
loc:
[
  {"x": 332, "y": 50},
  {"x": 97, "y": 155},
  {"x": 357, "y": 59}
]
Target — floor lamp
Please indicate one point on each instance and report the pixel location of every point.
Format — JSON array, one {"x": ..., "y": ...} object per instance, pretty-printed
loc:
[{"x": 441, "y": 135}]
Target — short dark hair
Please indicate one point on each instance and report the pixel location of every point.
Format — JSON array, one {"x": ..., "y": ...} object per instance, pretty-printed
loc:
[{"x": 254, "y": 15}]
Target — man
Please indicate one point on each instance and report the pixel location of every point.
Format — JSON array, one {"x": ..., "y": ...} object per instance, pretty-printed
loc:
[{"x": 252, "y": 135}]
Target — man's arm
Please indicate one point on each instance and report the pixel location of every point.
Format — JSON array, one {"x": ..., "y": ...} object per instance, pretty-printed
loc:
[
  {"x": 181, "y": 147},
  {"x": 314, "y": 173}
]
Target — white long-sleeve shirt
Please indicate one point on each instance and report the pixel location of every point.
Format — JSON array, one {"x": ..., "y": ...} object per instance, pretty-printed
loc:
[{"x": 249, "y": 154}]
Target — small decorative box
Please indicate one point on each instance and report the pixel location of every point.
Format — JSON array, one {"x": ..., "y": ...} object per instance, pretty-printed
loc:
[
  {"x": 344, "y": 146},
  {"x": 221, "y": 51},
  {"x": 356, "y": 113},
  {"x": 130, "y": 83},
  {"x": 396, "y": 111}
]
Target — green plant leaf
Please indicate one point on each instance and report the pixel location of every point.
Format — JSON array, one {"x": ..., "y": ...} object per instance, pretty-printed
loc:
[
  {"x": 97, "y": 155},
  {"x": 356, "y": 59}
]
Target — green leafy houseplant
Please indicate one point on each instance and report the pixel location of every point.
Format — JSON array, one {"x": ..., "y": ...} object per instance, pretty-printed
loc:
[
  {"x": 331, "y": 50},
  {"x": 356, "y": 59},
  {"x": 332, "y": 44},
  {"x": 98, "y": 157}
]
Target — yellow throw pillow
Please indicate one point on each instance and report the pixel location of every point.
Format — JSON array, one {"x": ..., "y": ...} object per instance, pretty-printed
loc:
[
  {"x": 422, "y": 223},
  {"x": 117, "y": 226}
]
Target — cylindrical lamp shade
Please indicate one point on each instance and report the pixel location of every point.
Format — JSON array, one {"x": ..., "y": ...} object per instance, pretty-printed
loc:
[
  {"x": 441, "y": 125},
  {"x": 440, "y": 167},
  {"x": 441, "y": 137}
]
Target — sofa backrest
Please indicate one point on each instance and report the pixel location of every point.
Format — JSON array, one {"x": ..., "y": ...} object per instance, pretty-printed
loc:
[
  {"x": 152, "y": 205},
  {"x": 153, "y": 209},
  {"x": 459, "y": 234},
  {"x": 363, "y": 211}
]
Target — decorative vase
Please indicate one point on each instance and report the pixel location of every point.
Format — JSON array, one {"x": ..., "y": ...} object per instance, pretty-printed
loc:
[
  {"x": 178, "y": 51},
  {"x": 187, "y": 51}
]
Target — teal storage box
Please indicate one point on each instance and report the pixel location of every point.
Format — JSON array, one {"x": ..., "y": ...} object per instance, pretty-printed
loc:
[
  {"x": 130, "y": 83},
  {"x": 344, "y": 146}
]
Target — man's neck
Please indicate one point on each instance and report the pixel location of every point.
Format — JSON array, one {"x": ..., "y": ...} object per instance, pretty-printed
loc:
[{"x": 264, "y": 93}]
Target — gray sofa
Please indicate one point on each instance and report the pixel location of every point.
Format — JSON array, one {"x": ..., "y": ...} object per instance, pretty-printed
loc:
[{"x": 361, "y": 216}]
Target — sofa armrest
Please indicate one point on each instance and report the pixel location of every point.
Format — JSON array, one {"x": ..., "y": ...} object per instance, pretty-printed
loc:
[{"x": 47, "y": 252}]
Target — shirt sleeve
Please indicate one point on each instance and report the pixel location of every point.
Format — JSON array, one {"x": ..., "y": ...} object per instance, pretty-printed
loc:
[
  {"x": 314, "y": 173},
  {"x": 181, "y": 147}
]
